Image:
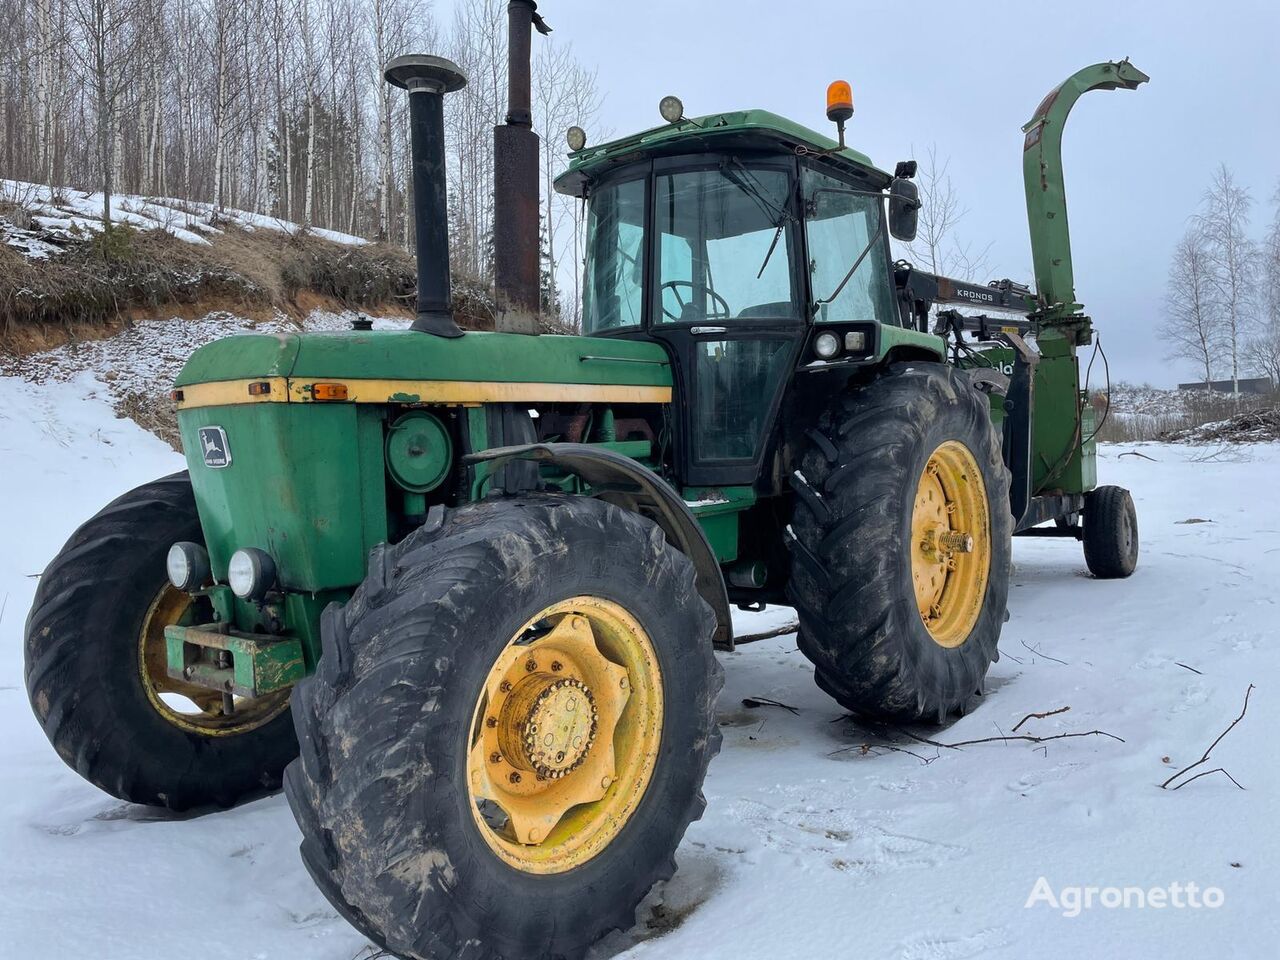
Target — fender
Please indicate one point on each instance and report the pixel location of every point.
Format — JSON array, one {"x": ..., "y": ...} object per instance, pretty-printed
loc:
[{"x": 628, "y": 484}]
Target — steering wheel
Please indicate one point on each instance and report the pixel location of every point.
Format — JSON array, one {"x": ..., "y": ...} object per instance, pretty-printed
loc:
[{"x": 720, "y": 311}]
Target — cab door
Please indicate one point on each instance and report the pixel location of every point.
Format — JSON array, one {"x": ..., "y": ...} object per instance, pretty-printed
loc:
[{"x": 726, "y": 297}]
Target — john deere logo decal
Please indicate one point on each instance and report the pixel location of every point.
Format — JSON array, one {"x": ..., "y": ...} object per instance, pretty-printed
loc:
[{"x": 213, "y": 442}]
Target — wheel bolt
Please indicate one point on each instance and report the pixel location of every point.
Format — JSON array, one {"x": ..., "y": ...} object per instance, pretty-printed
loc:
[
  {"x": 505, "y": 686},
  {"x": 531, "y": 666},
  {"x": 515, "y": 777},
  {"x": 495, "y": 757},
  {"x": 556, "y": 666},
  {"x": 491, "y": 722}
]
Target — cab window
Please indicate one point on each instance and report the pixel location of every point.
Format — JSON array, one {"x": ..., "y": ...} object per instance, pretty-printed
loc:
[
  {"x": 842, "y": 227},
  {"x": 725, "y": 241}
]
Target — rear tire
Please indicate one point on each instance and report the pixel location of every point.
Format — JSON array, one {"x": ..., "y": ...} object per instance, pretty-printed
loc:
[
  {"x": 1110, "y": 533},
  {"x": 85, "y": 665},
  {"x": 855, "y": 579},
  {"x": 391, "y": 721}
]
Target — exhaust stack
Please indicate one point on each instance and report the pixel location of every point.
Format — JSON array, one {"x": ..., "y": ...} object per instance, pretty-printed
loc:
[
  {"x": 515, "y": 180},
  {"x": 428, "y": 79}
]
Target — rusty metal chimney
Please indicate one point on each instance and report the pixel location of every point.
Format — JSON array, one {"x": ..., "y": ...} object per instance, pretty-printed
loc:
[{"x": 515, "y": 182}]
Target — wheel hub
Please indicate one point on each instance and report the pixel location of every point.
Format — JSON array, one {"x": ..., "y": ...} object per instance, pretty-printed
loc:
[
  {"x": 548, "y": 725},
  {"x": 950, "y": 544},
  {"x": 565, "y": 735}
]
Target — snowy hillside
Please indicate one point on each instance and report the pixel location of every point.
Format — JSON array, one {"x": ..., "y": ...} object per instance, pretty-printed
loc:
[
  {"x": 58, "y": 217},
  {"x": 822, "y": 838}
]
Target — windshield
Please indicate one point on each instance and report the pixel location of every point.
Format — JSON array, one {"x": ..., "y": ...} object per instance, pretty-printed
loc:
[
  {"x": 844, "y": 226},
  {"x": 725, "y": 238}
]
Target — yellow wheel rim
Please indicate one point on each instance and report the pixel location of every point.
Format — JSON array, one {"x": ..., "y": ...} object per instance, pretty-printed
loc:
[
  {"x": 187, "y": 706},
  {"x": 565, "y": 735},
  {"x": 950, "y": 544}
]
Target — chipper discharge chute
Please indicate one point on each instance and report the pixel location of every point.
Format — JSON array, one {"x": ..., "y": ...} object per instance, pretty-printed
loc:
[{"x": 466, "y": 587}]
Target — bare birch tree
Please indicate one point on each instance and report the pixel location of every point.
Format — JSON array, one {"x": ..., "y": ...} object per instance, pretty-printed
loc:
[
  {"x": 108, "y": 39},
  {"x": 565, "y": 94},
  {"x": 937, "y": 245},
  {"x": 1232, "y": 259},
  {"x": 1193, "y": 321}
]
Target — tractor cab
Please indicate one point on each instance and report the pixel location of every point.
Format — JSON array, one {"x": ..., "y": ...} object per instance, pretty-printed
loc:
[{"x": 751, "y": 248}]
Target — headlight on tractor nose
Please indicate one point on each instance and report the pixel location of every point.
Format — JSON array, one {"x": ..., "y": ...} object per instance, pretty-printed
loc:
[
  {"x": 826, "y": 345},
  {"x": 188, "y": 566},
  {"x": 251, "y": 573}
]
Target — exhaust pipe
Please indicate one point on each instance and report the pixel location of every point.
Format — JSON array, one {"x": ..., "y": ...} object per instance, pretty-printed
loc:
[
  {"x": 428, "y": 79},
  {"x": 515, "y": 182}
]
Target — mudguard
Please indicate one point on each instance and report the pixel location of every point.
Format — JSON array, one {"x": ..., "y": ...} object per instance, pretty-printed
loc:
[{"x": 629, "y": 484}]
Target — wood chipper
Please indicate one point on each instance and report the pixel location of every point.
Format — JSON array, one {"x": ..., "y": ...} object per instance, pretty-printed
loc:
[{"x": 461, "y": 592}]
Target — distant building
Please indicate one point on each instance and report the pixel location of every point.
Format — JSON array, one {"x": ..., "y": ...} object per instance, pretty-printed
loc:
[{"x": 1253, "y": 385}]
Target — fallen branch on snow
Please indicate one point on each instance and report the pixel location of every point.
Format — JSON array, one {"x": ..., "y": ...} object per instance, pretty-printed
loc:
[
  {"x": 768, "y": 634},
  {"x": 1135, "y": 453},
  {"x": 1038, "y": 716},
  {"x": 1037, "y": 652},
  {"x": 1205, "y": 758},
  {"x": 752, "y": 703},
  {"x": 1028, "y": 738}
]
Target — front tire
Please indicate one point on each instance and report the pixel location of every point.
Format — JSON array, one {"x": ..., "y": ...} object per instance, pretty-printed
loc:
[
  {"x": 95, "y": 667},
  {"x": 454, "y": 799},
  {"x": 901, "y": 545}
]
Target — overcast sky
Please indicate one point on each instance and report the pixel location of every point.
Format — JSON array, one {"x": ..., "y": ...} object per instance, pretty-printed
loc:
[{"x": 966, "y": 76}]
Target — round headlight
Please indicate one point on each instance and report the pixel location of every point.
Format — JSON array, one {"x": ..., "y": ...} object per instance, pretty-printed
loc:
[
  {"x": 251, "y": 573},
  {"x": 188, "y": 566},
  {"x": 826, "y": 345},
  {"x": 577, "y": 138},
  {"x": 671, "y": 108}
]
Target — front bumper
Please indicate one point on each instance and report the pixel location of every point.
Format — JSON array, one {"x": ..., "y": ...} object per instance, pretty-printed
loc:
[{"x": 230, "y": 661}]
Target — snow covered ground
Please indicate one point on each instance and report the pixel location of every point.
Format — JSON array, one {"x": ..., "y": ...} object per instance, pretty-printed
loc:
[
  {"x": 58, "y": 216},
  {"x": 822, "y": 839}
]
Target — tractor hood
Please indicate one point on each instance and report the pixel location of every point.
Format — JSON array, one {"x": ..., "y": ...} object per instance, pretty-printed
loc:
[{"x": 405, "y": 367}]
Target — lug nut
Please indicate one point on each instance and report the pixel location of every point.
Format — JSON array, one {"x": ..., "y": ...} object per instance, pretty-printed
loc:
[
  {"x": 495, "y": 757},
  {"x": 505, "y": 686},
  {"x": 556, "y": 666},
  {"x": 515, "y": 777},
  {"x": 491, "y": 722},
  {"x": 531, "y": 666}
]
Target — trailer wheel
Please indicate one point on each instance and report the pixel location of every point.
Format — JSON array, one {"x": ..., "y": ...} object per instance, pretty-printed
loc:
[
  {"x": 95, "y": 667},
  {"x": 900, "y": 543},
  {"x": 507, "y": 732},
  {"x": 1110, "y": 533}
]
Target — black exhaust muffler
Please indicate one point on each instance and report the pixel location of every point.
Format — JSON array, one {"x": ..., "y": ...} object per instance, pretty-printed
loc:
[{"x": 428, "y": 79}]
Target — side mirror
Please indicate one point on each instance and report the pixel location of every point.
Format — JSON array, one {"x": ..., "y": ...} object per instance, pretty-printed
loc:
[{"x": 904, "y": 209}]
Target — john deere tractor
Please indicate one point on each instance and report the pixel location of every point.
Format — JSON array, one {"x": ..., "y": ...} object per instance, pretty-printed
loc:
[{"x": 462, "y": 592}]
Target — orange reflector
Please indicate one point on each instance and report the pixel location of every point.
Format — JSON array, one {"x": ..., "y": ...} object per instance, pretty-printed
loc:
[
  {"x": 260, "y": 388},
  {"x": 175, "y": 396},
  {"x": 839, "y": 101},
  {"x": 328, "y": 391}
]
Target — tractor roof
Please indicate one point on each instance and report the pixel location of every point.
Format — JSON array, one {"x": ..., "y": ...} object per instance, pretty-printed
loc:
[{"x": 740, "y": 128}]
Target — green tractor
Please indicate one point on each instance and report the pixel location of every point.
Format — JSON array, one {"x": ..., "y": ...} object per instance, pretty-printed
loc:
[{"x": 461, "y": 592}]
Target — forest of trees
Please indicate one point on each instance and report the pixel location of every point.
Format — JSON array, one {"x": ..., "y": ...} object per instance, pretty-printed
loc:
[
  {"x": 1223, "y": 301},
  {"x": 278, "y": 107}
]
